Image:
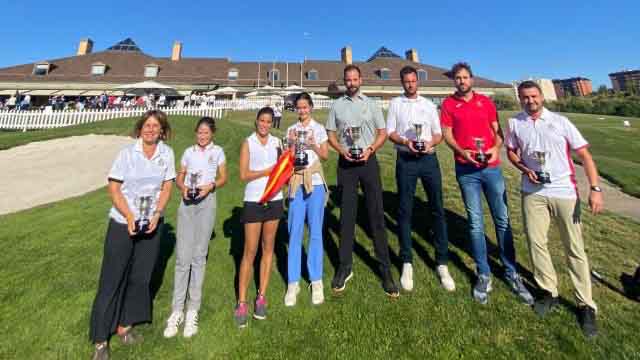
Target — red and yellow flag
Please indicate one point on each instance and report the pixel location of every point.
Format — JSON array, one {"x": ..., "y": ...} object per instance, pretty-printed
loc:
[{"x": 279, "y": 176}]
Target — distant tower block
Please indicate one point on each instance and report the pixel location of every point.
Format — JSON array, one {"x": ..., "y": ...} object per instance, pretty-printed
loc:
[
  {"x": 176, "y": 53},
  {"x": 347, "y": 55},
  {"x": 85, "y": 47}
]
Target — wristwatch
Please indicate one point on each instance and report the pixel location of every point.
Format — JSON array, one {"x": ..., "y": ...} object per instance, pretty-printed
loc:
[{"x": 596, "y": 188}]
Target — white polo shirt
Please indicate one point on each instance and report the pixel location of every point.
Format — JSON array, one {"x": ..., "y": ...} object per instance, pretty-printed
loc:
[
  {"x": 203, "y": 161},
  {"x": 404, "y": 112},
  {"x": 141, "y": 176},
  {"x": 557, "y": 136},
  {"x": 320, "y": 136},
  {"x": 261, "y": 157}
]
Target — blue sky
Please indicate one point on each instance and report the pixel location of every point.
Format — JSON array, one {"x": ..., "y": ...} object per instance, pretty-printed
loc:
[{"x": 501, "y": 40}]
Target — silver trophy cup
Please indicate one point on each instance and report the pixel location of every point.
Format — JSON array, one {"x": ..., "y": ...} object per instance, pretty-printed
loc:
[
  {"x": 418, "y": 143},
  {"x": 481, "y": 157},
  {"x": 355, "y": 151},
  {"x": 301, "y": 158},
  {"x": 143, "y": 203},
  {"x": 543, "y": 175},
  {"x": 193, "y": 191}
]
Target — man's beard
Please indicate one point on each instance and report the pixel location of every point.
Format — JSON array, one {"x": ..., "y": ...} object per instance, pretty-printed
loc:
[{"x": 354, "y": 88}]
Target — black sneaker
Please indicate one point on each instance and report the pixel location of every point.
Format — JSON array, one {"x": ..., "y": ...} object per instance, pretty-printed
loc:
[
  {"x": 389, "y": 286},
  {"x": 339, "y": 282},
  {"x": 587, "y": 317},
  {"x": 544, "y": 304}
]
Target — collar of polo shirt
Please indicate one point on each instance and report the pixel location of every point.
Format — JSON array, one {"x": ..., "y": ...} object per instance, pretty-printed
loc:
[
  {"x": 404, "y": 98},
  {"x": 159, "y": 148},
  {"x": 208, "y": 147},
  {"x": 359, "y": 95},
  {"x": 544, "y": 115}
]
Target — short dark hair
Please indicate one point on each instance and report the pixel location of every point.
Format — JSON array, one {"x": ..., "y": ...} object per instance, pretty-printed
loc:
[
  {"x": 165, "y": 131},
  {"x": 351, "y": 67},
  {"x": 460, "y": 66},
  {"x": 529, "y": 84},
  {"x": 210, "y": 122},
  {"x": 304, "y": 96},
  {"x": 265, "y": 110},
  {"x": 407, "y": 70}
]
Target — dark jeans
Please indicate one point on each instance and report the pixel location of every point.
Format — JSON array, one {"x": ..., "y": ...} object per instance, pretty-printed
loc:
[
  {"x": 410, "y": 168},
  {"x": 123, "y": 296},
  {"x": 350, "y": 174}
]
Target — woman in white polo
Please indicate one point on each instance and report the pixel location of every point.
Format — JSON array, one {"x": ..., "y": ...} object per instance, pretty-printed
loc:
[
  {"x": 204, "y": 162},
  {"x": 143, "y": 170},
  {"x": 258, "y": 154}
]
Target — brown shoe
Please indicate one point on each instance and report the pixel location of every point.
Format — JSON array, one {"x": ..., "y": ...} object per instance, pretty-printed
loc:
[
  {"x": 101, "y": 352},
  {"x": 130, "y": 337}
]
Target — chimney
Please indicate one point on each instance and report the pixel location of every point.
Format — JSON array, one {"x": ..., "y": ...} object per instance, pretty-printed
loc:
[
  {"x": 412, "y": 55},
  {"x": 346, "y": 55},
  {"x": 85, "y": 47},
  {"x": 176, "y": 53}
]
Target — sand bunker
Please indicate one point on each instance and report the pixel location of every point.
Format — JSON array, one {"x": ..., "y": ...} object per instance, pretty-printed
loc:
[{"x": 47, "y": 171}]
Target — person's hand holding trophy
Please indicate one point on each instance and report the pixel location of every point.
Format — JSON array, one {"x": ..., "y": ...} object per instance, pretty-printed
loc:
[
  {"x": 541, "y": 158},
  {"x": 192, "y": 188},
  {"x": 355, "y": 151},
  {"x": 418, "y": 144},
  {"x": 301, "y": 158},
  {"x": 481, "y": 157},
  {"x": 142, "y": 225}
]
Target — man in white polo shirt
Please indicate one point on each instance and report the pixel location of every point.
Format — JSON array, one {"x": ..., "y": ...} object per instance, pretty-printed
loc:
[
  {"x": 412, "y": 164},
  {"x": 549, "y": 191}
]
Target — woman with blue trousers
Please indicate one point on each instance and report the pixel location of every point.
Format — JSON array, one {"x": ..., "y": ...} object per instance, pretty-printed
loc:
[{"x": 307, "y": 194}]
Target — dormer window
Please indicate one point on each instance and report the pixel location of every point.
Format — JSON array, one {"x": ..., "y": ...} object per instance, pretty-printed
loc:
[
  {"x": 274, "y": 75},
  {"x": 151, "y": 70},
  {"x": 385, "y": 74},
  {"x": 41, "y": 69},
  {"x": 312, "y": 75},
  {"x": 422, "y": 75},
  {"x": 98, "y": 69},
  {"x": 232, "y": 74}
]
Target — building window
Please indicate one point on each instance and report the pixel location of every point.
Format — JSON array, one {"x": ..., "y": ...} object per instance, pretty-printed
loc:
[
  {"x": 41, "y": 69},
  {"x": 385, "y": 74},
  {"x": 232, "y": 74},
  {"x": 312, "y": 75},
  {"x": 98, "y": 69},
  {"x": 151, "y": 71},
  {"x": 422, "y": 75},
  {"x": 274, "y": 75}
]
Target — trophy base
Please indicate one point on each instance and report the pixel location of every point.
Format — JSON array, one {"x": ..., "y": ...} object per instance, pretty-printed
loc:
[
  {"x": 543, "y": 177},
  {"x": 193, "y": 194},
  {"x": 356, "y": 153},
  {"x": 301, "y": 161},
  {"x": 142, "y": 226},
  {"x": 419, "y": 146}
]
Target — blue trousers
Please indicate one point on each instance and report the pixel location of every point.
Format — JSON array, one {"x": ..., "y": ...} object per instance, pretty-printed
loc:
[
  {"x": 488, "y": 181},
  {"x": 309, "y": 207}
]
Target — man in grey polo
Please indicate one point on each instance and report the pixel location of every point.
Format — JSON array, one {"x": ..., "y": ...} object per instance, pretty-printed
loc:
[{"x": 356, "y": 110}]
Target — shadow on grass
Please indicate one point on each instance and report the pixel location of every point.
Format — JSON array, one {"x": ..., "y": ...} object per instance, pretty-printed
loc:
[
  {"x": 233, "y": 229},
  {"x": 167, "y": 246}
]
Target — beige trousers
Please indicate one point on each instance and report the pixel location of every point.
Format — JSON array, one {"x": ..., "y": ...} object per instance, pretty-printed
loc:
[{"x": 537, "y": 212}]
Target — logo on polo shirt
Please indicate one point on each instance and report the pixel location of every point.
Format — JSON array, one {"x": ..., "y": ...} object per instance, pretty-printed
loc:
[
  {"x": 161, "y": 162},
  {"x": 212, "y": 161},
  {"x": 479, "y": 103}
]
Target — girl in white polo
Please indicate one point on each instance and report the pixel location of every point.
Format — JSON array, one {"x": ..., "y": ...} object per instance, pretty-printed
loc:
[
  {"x": 205, "y": 161},
  {"x": 258, "y": 154},
  {"x": 146, "y": 170}
]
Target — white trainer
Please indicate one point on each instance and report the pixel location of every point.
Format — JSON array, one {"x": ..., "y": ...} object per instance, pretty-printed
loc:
[
  {"x": 445, "y": 278},
  {"x": 317, "y": 292},
  {"x": 190, "y": 324},
  {"x": 291, "y": 296},
  {"x": 172, "y": 324},
  {"x": 406, "y": 280}
]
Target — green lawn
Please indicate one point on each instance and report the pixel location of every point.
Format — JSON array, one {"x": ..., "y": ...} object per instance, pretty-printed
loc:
[
  {"x": 52, "y": 253},
  {"x": 615, "y": 149}
]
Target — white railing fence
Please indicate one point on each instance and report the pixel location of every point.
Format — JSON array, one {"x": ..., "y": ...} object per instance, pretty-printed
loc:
[{"x": 49, "y": 119}]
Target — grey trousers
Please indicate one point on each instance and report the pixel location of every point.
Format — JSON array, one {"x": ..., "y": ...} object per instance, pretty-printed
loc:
[{"x": 195, "y": 226}]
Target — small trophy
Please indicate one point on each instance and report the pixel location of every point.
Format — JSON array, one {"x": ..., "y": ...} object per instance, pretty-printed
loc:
[
  {"x": 301, "y": 157},
  {"x": 481, "y": 157},
  {"x": 355, "y": 151},
  {"x": 541, "y": 158},
  {"x": 418, "y": 143},
  {"x": 193, "y": 191},
  {"x": 144, "y": 206}
]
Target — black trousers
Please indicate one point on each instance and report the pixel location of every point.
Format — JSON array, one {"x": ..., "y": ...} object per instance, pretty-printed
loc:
[
  {"x": 350, "y": 174},
  {"x": 124, "y": 296}
]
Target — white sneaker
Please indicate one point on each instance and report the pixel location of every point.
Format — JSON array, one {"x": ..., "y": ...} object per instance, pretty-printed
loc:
[
  {"x": 445, "y": 278},
  {"x": 317, "y": 292},
  {"x": 190, "y": 324},
  {"x": 290, "y": 297},
  {"x": 172, "y": 324},
  {"x": 406, "y": 280}
]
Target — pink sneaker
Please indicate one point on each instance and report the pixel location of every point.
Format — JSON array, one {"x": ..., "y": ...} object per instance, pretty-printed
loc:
[
  {"x": 241, "y": 314},
  {"x": 260, "y": 310}
]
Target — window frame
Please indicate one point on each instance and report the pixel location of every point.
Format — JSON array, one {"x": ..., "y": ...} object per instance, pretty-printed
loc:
[
  {"x": 151, "y": 66},
  {"x": 97, "y": 65},
  {"x": 233, "y": 70},
  {"x": 39, "y": 66}
]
